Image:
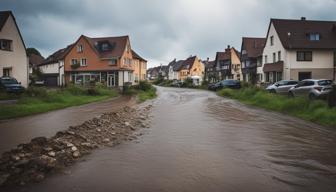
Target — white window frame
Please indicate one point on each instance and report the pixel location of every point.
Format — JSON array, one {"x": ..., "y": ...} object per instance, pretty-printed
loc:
[
  {"x": 80, "y": 48},
  {"x": 82, "y": 63}
]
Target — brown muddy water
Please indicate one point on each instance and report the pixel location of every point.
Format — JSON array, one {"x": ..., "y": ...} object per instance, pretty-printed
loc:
[
  {"x": 201, "y": 142},
  {"x": 22, "y": 130}
]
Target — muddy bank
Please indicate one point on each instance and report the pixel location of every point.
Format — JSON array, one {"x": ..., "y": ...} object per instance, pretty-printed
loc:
[
  {"x": 22, "y": 130},
  {"x": 33, "y": 161}
]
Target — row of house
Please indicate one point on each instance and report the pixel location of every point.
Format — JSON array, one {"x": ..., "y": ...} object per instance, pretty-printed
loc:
[
  {"x": 109, "y": 60},
  {"x": 292, "y": 49},
  {"x": 180, "y": 70}
]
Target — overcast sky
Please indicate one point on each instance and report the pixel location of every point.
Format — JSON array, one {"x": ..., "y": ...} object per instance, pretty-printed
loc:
[{"x": 160, "y": 30}]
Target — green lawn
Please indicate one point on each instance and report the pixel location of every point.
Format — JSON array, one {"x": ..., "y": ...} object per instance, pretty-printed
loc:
[
  {"x": 315, "y": 111},
  {"x": 39, "y": 100},
  {"x": 144, "y": 91},
  {"x": 146, "y": 95}
]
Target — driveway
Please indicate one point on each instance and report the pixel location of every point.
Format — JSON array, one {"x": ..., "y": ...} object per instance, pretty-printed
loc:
[
  {"x": 22, "y": 130},
  {"x": 201, "y": 142}
]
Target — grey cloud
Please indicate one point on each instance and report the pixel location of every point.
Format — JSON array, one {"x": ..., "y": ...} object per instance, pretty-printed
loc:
[{"x": 160, "y": 30}]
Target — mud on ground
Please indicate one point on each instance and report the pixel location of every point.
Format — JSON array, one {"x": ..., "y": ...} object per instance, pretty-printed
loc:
[{"x": 32, "y": 162}]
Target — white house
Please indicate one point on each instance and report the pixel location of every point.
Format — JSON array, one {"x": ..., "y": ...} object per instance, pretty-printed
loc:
[
  {"x": 53, "y": 68},
  {"x": 173, "y": 69},
  {"x": 13, "y": 56},
  {"x": 299, "y": 49}
]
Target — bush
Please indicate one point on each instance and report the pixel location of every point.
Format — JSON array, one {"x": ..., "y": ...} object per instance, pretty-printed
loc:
[
  {"x": 33, "y": 91},
  {"x": 144, "y": 86},
  {"x": 188, "y": 82},
  {"x": 75, "y": 90},
  {"x": 93, "y": 91}
]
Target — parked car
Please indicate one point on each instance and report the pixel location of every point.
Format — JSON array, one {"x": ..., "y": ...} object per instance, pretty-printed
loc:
[
  {"x": 176, "y": 84},
  {"x": 282, "y": 87},
  {"x": 10, "y": 85},
  {"x": 230, "y": 83},
  {"x": 312, "y": 88}
]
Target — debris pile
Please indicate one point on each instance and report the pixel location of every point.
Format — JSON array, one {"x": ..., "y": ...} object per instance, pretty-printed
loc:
[{"x": 31, "y": 162}]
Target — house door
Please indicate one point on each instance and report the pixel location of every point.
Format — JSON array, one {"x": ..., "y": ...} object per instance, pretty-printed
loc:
[
  {"x": 111, "y": 80},
  {"x": 305, "y": 75}
]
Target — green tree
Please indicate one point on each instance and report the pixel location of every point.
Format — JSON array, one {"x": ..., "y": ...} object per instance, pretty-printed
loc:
[{"x": 32, "y": 50}]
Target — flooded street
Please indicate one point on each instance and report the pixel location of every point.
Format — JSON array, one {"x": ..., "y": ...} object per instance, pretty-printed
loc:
[
  {"x": 22, "y": 130},
  {"x": 201, "y": 142}
]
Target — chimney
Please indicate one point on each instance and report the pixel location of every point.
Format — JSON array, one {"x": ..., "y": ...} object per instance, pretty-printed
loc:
[
  {"x": 334, "y": 28},
  {"x": 303, "y": 18},
  {"x": 228, "y": 48}
]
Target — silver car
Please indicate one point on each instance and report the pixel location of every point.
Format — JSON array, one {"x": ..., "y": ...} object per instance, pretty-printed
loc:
[
  {"x": 282, "y": 87},
  {"x": 312, "y": 88}
]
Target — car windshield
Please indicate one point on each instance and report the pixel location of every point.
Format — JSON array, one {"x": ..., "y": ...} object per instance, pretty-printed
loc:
[
  {"x": 8, "y": 81},
  {"x": 324, "y": 82},
  {"x": 281, "y": 83}
]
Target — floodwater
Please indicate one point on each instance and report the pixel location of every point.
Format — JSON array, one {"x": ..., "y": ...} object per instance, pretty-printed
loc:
[
  {"x": 22, "y": 130},
  {"x": 201, "y": 142}
]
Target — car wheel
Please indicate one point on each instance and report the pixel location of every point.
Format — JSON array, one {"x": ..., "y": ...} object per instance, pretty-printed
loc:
[
  {"x": 312, "y": 96},
  {"x": 290, "y": 94},
  {"x": 272, "y": 91}
]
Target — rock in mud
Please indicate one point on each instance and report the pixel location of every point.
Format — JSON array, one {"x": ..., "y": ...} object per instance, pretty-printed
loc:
[{"x": 31, "y": 162}]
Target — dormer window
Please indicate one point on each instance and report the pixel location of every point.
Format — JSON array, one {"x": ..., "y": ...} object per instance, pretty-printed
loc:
[
  {"x": 314, "y": 36},
  {"x": 105, "y": 47}
]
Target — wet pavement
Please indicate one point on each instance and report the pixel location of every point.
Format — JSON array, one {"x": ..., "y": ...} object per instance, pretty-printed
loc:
[
  {"x": 22, "y": 130},
  {"x": 201, "y": 142}
]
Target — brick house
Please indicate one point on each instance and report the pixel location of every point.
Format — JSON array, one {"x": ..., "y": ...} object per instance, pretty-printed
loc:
[{"x": 109, "y": 60}]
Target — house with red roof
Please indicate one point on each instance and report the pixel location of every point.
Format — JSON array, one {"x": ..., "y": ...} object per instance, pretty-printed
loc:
[{"x": 109, "y": 60}]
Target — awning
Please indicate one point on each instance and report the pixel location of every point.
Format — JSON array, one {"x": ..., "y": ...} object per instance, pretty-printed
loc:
[{"x": 274, "y": 67}]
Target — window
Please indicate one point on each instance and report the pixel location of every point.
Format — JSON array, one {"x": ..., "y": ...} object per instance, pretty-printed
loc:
[
  {"x": 83, "y": 62},
  {"x": 79, "y": 48},
  {"x": 112, "y": 62},
  {"x": 74, "y": 61},
  {"x": 7, "y": 72},
  {"x": 279, "y": 56},
  {"x": 307, "y": 83},
  {"x": 304, "y": 56},
  {"x": 265, "y": 58},
  {"x": 272, "y": 40},
  {"x": 274, "y": 57},
  {"x": 6, "y": 44},
  {"x": 105, "y": 47},
  {"x": 314, "y": 36}
]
